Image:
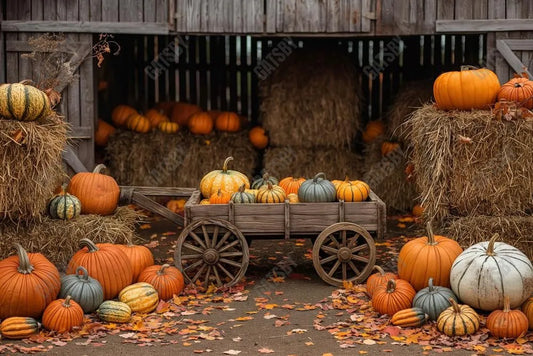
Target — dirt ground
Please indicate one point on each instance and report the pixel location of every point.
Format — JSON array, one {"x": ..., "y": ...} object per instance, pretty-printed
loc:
[{"x": 293, "y": 314}]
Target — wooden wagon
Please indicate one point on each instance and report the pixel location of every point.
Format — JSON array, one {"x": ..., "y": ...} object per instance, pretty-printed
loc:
[{"x": 213, "y": 246}]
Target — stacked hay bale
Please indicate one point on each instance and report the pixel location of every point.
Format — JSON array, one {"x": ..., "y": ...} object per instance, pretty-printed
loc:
[
  {"x": 311, "y": 109},
  {"x": 386, "y": 173},
  {"x": 475, "y": 173}
]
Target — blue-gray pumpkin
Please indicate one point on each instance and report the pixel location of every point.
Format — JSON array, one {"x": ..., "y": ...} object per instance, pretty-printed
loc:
[
  {"x": 433, "y": 300},
  {"x": 267, "y": 178},
  {"x": 86, "y": 291},
  {"x": 318, "y": 189},
  {"x": 242, "y": 197},
  {"x": 64, "y": 206}
]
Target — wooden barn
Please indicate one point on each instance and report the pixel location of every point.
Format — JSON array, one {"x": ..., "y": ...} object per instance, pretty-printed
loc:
[{"x": 211, "y": 52}]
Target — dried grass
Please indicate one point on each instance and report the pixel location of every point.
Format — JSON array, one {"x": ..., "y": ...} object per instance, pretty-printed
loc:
[
  {"x": 306, "y": 162},
  {"x": 58, "y": 239},
  {"x": 181, "y": 160},
  {"x": 467, "y": 163},
  {"x": 312, "y": 99},
  {"x": 514, "y": 230},
  {"x": 31, "y": 165}
]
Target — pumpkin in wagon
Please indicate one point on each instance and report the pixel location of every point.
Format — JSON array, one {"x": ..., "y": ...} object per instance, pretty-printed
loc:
[
  {"x": 317, "y": 189},
  {"x": 507, "y": 323},
  {"x": 271, "y": 193},
  {"x": 242, "y": 197},
  {"x": 291, "y": 184},
  {"x": 392, "y": 297},
  {"x": 22, "y": 102},
  {"x": 19, "y": 327},
  {"x": 267, "y": 178},
  {"x": 458, "y": 320},
  {"x": 353, "y": 191},
  {"x": 63, "y": 315},
  {"x": 220, "y": 197},
  {"x": 166, "y": 279},
  {"x": 224, "y": 179}
]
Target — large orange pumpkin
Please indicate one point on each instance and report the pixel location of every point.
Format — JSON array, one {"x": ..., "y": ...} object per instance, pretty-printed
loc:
[
  {"x": 140, "y": 257},
  {"x": 377, "y": 279},
  {"x": 98, "y": 193},
  {"x": 393, "y": 296},
  {"x": 200, "y": 123},
  {"x": 427, "y": 257},
  {"x": 103, "y": 131},
  {"x": 155, "y": 117},
  {"x": 228, "y": 121},
  {"x": 181, "y": 112},
  {"x": 373, "y": 130},
  {"x": 166, "y": 279},
  {"x": 224, "y": 179},
  {"x": 28, "y": 283},
  {"x": 258, "y": 137},
  {"x": 507, "y": 323},
  {"x": 291, "y": 185},
  {"x": 466, "y": 89},
  {"x": 63, "y": 315},
  {"x": 106, "y": 263},
  {"x": 519, "y": 89},
  {"x": 120, "y": 114}
]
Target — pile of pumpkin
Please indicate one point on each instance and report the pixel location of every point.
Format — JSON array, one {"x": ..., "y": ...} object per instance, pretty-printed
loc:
[
  {"x": 32, "y": 288},
  {"x": 170, "y": 117},
  {"x": 225, "y": 185},
  {"x": 490, "y": 276}
]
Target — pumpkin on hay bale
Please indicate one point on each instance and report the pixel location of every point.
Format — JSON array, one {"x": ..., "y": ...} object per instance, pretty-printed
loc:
[
  {"x": 58, "y": 239},
  {"x": 312, "y": 99},
  {"x": 31, "y": 165},
  {"x": 179, "y": 160},
  {"x": 467, "y": 163}
]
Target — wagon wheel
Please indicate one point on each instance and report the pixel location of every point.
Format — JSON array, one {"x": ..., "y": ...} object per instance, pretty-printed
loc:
[
  {"x": 344, "y": 252},
  {"x": 212, "y": 251}
]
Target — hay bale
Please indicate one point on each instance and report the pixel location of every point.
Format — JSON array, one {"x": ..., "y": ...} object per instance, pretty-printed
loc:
[
  {"x": 514, "y": 230},
  {"x": 58, "y": 239},
  {"x": 181, "y": 160},
  {"x": 411, "y": 96},
  {"x": 31, "y": 165},
  {"x": 312, "y": 99},
  {"x": 467, "y": 163},
  {"x": 306, "y": 162}
]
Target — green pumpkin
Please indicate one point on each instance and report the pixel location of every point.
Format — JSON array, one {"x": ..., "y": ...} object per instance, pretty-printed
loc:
[
  {"x": 242, "y": 197},
  {"x": 86, "y": 291},
  {"x": 114, "y": 312},
  {"x": 318, "y": 189},
  {"x": 258, "y": 183},
  {"x": 433, "y": 300},
  {"x": 64, "y": 206}
]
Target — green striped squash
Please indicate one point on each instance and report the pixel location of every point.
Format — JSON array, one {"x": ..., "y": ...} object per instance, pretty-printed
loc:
[
  {"x": 64, "y": 206},
  {"x": 242, "y": 197},
  {"x": 271, "y": 194},
  {"x": 317, "y": 189},
  {"x": 114, "y": 312},
  {"x": 258, "y": 183},
  {"x": 18, "y": 327},
  {"x": 86, "y": 291},
  {"x": 141, "y": 297},
  {"x": 23, "y": 102},
  {"x": 409, "y": 317}
]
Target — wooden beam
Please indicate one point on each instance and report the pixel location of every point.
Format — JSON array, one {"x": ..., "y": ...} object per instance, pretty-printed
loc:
[
  {"x": 81, "y": 133},
  {"x": 162, "y": 191},
  {"x": 511, "y": 58},
  {"x": 70, "y": 157},
  {"x": 520, "y": 45},
  {"x": 128, "y": 195},
  {"x": 142, "y": 28},
  {"x": 464, "y": 26},
  {"x": 24, "y": 46}
]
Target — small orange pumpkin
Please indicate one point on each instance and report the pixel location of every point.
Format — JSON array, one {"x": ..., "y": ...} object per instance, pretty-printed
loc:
[
  {"x": 181, "y": 112},
  {"x": 63, "y": 315},
  {"x": 353, "y": 191},
  {"x": 166, "y": 279},
  {"x": 373, "y": 130},
  {"x": 168, "y": 127},
  {"x": 228, "y": 121},
  {"x": 507, "y": 323},
  {"x": 176, "y": 205},
  {"x": 220, "y": 197},
  {"x": 388, "y": 147},
  {"x": 201, "y": 123},
  {"x": 377, "y": 279},
  {"x": 293, "y": 198},
  {"x": 120, "y": 114},
  {"x": 392, "y": 297},
  {"x": 519, "y": 89},
  {"x": 258, "y": 137},
  {"x": 155, "y": 117},
  {"x": 138, "y": 123},
  {"x": 103, "y": 131},
  {"x": 291, "y": 185},
  {"x": 418, "y": 210}
]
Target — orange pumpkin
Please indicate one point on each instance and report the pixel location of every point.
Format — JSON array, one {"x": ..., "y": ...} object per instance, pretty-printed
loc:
[
  {"x": 181, "y": 113},
  {"x": 176, "y": 205},
  {"x": 103, "y": 131},
  {"x": 106, "y": 263},
  {"x": 140, "y": 257},
  {"x": 293, "y": 198},
  {"x": 120, "y": 114},
  {"x": 393, "y": 296},
  {"x": 527, "y": 308},
  {"x": 291, "y": 185},
  {"x": 220, "y": 197},
  {"x": 519, "y": 89},
  {"x": 166, "y": 279},
  {"x": 467, "y": 89},
  {"x": 98, "y": 193},
  {"x": 168, "y": 127},
  {"x": 377, "y": 279},
  {"x": 388, "y": 147},
  {"x": 373, "y": 130},
  {"x": 418, "y": 210},
  {"x": 138, "y": 123},
  {"x": 29, "y": 282},
  {"x": 228, "y": 121},
  {"x": 200, "y": 124},
  {"x": 63, "y": 315},
  {"x": 353, "y": 191},
  {"x": 427, "y": 257},
  {"x": 507, "y": 323},
  {"x": 155, "y": 117},
  {"x": 258, "y": 137}
]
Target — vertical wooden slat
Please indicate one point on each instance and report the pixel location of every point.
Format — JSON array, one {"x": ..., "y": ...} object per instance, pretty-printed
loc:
[
  {"x": 527, "y": 56},
  {"x": 37, "y": 14},
  {"x": 271, "y": 16},
  {"x": 62, "y": 10},
  {"x": 25, "y": 64},
  {"x": 495, "y": 61},
  {"x": 445, "y": 9},
  {"x": 213, "y": 82},
  {"x": 162, "y": 11},
  {"x": 2, "y": 47},
  {"x": 202, "y": 65},
  {"x": 149, "y": 10},
  {"x": 385, "y": 21},
  {"x": 254, "y": 86},
  {"x": 430, "y": 15},
  {"x": 365, "y": 21},
  {"x": 232, "y": 73},
  {"x": 12, "y": 58},
  {"x": 73, "y": 114},
  {"x": 87, "y": 104},
  {"x": 288, "y": 15},
  {"x": 95, "y": 9},
  {"x": 130, "y": 11},
  {"x": 192, "y": 60},
  {"x": 110, "y": 10},
  {"x": 463, "y": 9},
  {"x": 244, "y": 95}
]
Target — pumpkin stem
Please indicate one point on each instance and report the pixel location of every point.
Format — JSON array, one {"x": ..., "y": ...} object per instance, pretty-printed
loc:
[
  {"x": 379, "y": 269},
  {"x": 430, "y": 284},
  {"x": 506, "y": 304},
  {"x": 431, "y": 236},
  {"x": 25, "y": 267},
  {"x": 490, "y": 247},
  {"x": 91, "y": 246},
  {"x": 270, "y": 186},
  {"x": 455, "y": 306},
  {"x": 391, "y": 286},
  {"x": 266, "y": 176},
  {"x": 66, "y": 303},
  {"x": 162, "y": 269},
  {"x": 318, "y": 176},
  {"x": 225, "y": 166},
  {"x": 346, "y": 179},
  {"x": 99, "y": 168},
  {"x": 63, "y": 189},
  {"x": 468, "y": 67},
  {"x": 242, "y": 188},
  {"x": 84, "y": 274}
]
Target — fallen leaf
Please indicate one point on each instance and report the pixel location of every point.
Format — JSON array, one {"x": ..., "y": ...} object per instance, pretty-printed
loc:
[
  {"x": 265, "y": 350},
  {"x": 369, "y": 342},
  {"x": 232, "y": 352}
]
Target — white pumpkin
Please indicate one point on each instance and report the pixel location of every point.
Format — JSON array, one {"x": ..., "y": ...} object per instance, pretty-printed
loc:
[{"x": 487, "y": 271}]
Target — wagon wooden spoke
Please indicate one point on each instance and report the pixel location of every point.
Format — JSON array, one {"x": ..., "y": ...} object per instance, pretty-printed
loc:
[
  {"x": 336, "y": 254},
  {"x": 199, "y": 243}
]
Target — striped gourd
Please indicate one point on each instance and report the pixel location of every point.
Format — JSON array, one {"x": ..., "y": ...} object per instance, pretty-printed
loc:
[
  {"x": 271, "y": 194},
  {"x": 23, "y": 102},
  {"x": 458, "y": 320},
  {"x": 409, "y": 317},
  {"x": 242, "y": 197},
  {"x": 86, "y": 291},
  {"x": 353, "y": 191},
  {"x": 138, "y": 123},
  {"x": 433, "y": 300},
  {"x": 114, "y": 312},
  {"x": 140, "y": 297},
  {"x": 168, "y": 127},
  {"x": 259, "y": 182},
  {"x": 64, "y": 206},
  {"x": 18, "y": 327},
  {"x": 224, "y": 179},
  {"x": 317, "y": 189}
]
